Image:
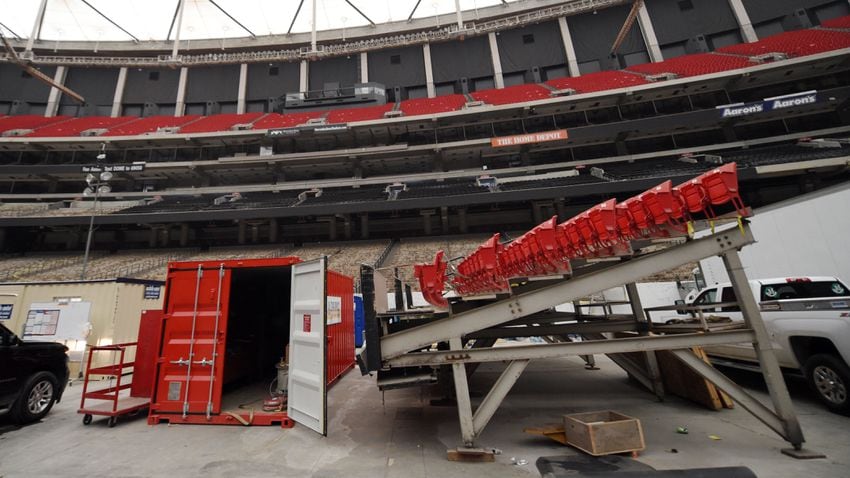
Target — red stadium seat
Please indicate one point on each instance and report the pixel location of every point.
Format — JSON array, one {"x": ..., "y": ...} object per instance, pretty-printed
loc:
[
  {"x": 431, "y": 279},
  {"x": 693, "y": 197},
  {"x": 663, "y": 205},
  {"x": 603, "y": 218},
  {"x": 721, "y": 187}
]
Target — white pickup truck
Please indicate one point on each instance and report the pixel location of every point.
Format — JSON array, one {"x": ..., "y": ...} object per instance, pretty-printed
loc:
[{"x": 808, "y": 320}]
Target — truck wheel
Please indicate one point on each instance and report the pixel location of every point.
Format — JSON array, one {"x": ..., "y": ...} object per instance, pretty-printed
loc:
[
  {"x": 829, "y": 377},
  {"x": 37, "y": 398}
]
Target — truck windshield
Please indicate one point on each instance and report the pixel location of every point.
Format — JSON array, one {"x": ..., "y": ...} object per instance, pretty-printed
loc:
[{"x": 803, "y": 290}]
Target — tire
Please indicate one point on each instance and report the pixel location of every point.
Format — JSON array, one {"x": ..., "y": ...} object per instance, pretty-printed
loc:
[
  {"x": 829, "y": 377},
  {"x": 36, "y": 399},
  {"x": 87, "y": 419}
]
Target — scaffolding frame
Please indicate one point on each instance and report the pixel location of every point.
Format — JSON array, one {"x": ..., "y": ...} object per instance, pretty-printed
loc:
[{"x": 404, "y": 348}]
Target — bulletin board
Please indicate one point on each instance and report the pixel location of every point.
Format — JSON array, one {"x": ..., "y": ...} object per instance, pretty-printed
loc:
[{"x": 54, "y": 321}]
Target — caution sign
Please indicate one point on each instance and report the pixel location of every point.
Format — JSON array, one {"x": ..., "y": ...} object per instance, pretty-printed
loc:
[
  {"x": 307, "y": 323},
  {"x": 520, "y": 139},
  {"x": 334, "y": 310}
]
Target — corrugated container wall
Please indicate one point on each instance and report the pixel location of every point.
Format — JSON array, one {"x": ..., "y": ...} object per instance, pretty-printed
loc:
[{"x": 340, "y": 350}]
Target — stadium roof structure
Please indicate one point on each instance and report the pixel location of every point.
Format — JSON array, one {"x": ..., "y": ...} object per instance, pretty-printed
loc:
[{"x": 159, "y": 20}]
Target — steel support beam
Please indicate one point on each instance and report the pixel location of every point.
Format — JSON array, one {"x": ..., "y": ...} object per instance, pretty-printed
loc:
[
  {"x": 464, "y": 404},
  {"x": 459, "y": 325},
  {"x": 86, "y": 3},
  {"x": 304, "y": 77},
  {"x": 547, "y": 351},
  {"x": 652, "y": 370},
  {"x": 737, "y": 394},
  {"x": 36, "y": 26},
  {"x": 179, "y": 24},
  {"x": 561, "y": 329},
  {"x": 764, "y": 349},
  {"x": 364, "y": 69},
  {"x": 496, "y": 395}
]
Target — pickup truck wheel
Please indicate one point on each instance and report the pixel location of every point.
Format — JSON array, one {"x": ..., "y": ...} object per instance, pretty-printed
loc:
[
  {"x": 829, "y": 377},
  {"x": 36, "y": 399}
]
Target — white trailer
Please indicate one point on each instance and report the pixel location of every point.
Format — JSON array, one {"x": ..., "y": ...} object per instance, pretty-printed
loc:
[{"x": 804, "y": 236}]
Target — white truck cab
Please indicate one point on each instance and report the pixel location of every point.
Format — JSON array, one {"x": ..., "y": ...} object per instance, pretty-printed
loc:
[{"x": 808, "y": 320}]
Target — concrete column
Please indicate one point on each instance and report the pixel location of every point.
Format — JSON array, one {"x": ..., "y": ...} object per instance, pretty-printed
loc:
[
  {"x": 152, "y": 237},
  {"x": 429, "y": 71},
  {"x": 119, "y": 92},
  {"x": 255, "y": 233},
  {"x": 536, "y": 213},
  {"x": 498, "y": 79},
  {"x": 461, "y": 220},
  {"x": 242, "y": 232},
  {"x": 73, "y": 239},
  {"x": 331, "y": 227},
  {"x": 180, "y": 102},
  {"x": 165, "y": 236},
  {"x": 426, "y": 220},
  {"x": 241, "y": 93},
  {"x": 273, "y": 230},
  {"x": 303, "y": 77},
  {"x": 648, "y": 32},
  {"x": 560, "y": 210},
  {"x": 364, "y": 226},
  {"x": 346, "y": 226},
  {"x": 569, "y": 49},
  {"x": 748, "y": 33},
  {"x": 444, "y": 220},
  {"x": 179, "y": 26},
  {"x": 458, "y": 15},
  {"x": 55, "y": 94},
  {"x": 184, "y": 234},
  {"x": 364, "y": 67}
]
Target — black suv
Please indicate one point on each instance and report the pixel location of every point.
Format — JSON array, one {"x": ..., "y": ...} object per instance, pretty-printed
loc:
[{"x": 32, "y": 376}]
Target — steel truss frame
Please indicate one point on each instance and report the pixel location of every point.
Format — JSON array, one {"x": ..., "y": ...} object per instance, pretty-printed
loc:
[{"x": 403, "y": 348}]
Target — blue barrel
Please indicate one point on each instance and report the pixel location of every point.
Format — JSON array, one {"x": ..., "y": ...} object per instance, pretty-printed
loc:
[{"x": 359, "y": 321}]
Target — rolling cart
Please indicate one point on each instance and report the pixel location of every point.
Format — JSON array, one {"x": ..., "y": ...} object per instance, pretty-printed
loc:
[{"x": 110, "y": 402}]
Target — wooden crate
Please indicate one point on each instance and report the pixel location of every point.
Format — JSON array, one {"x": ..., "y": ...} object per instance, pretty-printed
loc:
[{"x": 604, "y": 432}]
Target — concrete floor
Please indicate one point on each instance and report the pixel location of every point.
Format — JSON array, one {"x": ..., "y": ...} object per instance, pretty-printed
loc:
[{"x": 406, "y": 437}]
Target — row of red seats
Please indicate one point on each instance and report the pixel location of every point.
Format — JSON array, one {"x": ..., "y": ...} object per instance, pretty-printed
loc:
[
  {"x": 794, "y": 43},
  {"x": 150, "y": 124},
  {"x": 75, "y": 126},
  {"x": 840, "y": 22},
  {"x": 598, "y": 81},
  {"x": 222, "y": 122},
  {"x": 601, "y": 231},
  {"x": 512, "y": 94},
  {"x": 694, "y": 65}
]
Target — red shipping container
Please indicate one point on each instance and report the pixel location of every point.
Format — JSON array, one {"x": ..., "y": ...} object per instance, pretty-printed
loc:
[{"x": 227, "y": 324}]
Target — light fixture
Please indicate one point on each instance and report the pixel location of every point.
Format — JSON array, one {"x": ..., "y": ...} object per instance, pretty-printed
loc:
[{"x": 105, "y": 176}]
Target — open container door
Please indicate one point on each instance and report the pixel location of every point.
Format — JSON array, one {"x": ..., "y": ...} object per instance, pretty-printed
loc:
[{"x": 307, "y": 400}]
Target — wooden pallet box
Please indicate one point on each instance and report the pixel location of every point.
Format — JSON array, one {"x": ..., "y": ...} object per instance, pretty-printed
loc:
[{"x": 604, "y": 432}]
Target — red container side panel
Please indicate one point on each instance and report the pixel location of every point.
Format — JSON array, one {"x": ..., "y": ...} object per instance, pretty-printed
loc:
[
  {"x": 144, "y": 368},
  {"x": 340, "y": 345}
]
